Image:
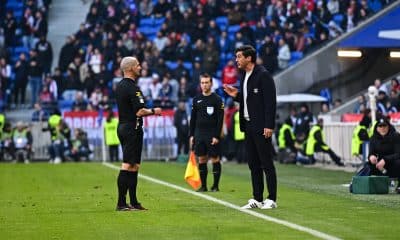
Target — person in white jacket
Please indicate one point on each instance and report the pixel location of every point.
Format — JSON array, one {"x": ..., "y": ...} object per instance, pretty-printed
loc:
[{"x": 283, "y": 54}]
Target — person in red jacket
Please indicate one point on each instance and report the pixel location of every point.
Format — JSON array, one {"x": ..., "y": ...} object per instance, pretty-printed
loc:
[{"x": 229, "y": 74}]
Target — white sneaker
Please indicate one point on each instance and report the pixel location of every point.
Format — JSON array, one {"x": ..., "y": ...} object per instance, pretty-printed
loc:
[
  {"x": 57, "y": 160},
  {"x": 269, "y": 204},
  {"x": 252, "y": 203}
]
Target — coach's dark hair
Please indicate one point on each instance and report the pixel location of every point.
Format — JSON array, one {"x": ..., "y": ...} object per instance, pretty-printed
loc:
[
  {"x": 248, "y": 50},
  {"x": 206, "y": 75}
]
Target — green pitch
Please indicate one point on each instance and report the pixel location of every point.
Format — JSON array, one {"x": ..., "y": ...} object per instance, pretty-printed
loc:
[{"x": 77, "y": 201}]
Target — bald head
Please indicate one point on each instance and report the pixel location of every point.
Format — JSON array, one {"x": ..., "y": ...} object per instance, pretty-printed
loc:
[{"x": 127, "y": 63}]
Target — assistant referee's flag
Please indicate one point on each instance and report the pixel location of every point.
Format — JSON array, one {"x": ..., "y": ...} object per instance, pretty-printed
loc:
[{"x": 192, "y": 175}]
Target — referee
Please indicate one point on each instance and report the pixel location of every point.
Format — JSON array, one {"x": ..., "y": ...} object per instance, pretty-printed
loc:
[
  {"x": 131, "y": 109},
  {"x": 205, "y": 130}
]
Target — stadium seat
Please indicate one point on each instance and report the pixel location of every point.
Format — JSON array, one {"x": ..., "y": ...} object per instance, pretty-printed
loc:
[
  {"x": 14, "y": 5},
  {"x": 233, "y": 29},
  {"x": 222, "y": 22},
  {"x": 338, "y": 18},
  {"x": 148, "y": 30},
  {"x": 146, "y": 22},
  {"x": 171, "y": 65},
  {"x": 65, "y": 104},
  {"x": 158, "y": 22},
  {"x": 295, "y": 57}
]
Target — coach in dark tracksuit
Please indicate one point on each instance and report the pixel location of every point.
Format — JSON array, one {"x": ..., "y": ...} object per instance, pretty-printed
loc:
[
  {"x": 257, "y": 99},
  {"x": 131, "y": 110},
  {"x": 384, "y": 151}
]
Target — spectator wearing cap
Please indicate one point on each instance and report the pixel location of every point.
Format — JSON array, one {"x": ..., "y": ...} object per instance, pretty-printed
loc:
[{"x": 384, "y": 150}]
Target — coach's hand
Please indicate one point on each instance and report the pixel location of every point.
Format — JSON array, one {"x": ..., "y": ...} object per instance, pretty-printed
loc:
[
  {"x": 231, "y": 91},
  {"x": 267, "y": 132}
]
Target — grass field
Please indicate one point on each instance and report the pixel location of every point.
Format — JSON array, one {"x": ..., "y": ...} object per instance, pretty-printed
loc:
[{"x": 77, "y": 201}]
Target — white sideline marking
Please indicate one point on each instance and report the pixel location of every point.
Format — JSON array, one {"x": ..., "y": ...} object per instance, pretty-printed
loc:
[{"x": 230, "y": 205}]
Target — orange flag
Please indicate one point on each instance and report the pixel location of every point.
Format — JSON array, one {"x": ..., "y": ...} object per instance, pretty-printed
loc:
[{"x": 192, "y": 175}]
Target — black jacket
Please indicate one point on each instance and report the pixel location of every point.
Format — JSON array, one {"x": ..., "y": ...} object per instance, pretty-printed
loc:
[
  {"x": 261, "y": 100},
  {"x": 386, "y": 147}
]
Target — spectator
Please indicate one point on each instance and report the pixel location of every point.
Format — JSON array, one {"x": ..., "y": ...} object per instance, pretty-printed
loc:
[
  {"x": 155, "y": 86},
  {"x": 350, "y": 20},
  {"x": 10, "y": 25},
  {"x": 146, "y": 8},
  {"x": 210, "y": 60},
  {"x": 45, "y": 53},
  {"x": 104, "y": 103},
  {"x": 35, "y": 74},
  {"x": 96, "y": 97},
  {"x": 5, "y": 77},
  {"x": 395, "y": 86},
  {"x": 79, "y": 104},
  {"x": 283, "y": 54},
  {"x": 165, "y": 94},
  {"x": 95, "y": 61},
  {"x": 181, "y": 123},
  {"x": 67, "y": 53},
  {"x": 333, "y": 6},
  {"x": 21, "y": 69},
  {"x": 52, "y": 86},
  {"x": 229, "y": 74},
  {"x": 45, "y": 97},
  {"x": 360, "y": 104},
  {"x": 39, "y": 114},
  {"x": 303, "y": 121}
]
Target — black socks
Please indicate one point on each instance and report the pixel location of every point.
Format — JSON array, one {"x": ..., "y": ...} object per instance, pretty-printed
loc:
[
  {"x": 132, "y": 187},
  {"x": 127, "y": 181},
  {"x": 203, "y": 174},
  {"x": 216, "y": 173},
  {"x": 122, "y": 183}
]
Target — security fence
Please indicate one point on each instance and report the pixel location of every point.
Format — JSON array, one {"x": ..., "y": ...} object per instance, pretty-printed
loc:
[{"x": 160, "y": 134}]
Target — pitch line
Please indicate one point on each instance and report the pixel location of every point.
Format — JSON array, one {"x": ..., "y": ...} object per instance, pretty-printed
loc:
[{"x": 297, "y": 227}]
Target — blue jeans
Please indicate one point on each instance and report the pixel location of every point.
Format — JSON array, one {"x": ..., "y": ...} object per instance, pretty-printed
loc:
[{"x": 35, "y": 84}]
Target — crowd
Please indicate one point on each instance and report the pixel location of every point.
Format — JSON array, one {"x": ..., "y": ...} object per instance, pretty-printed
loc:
[
  {"x": 387, "y": 99},
  {"x": 175, "y": 40}
]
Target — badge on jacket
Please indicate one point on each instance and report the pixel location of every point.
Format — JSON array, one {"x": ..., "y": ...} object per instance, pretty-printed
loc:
[
  {"x": 210, "y": 110},
  {"x": 255, "y": 90}
]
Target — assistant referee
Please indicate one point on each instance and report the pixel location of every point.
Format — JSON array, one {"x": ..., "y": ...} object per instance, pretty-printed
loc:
[{"x": 131, "y": 109}]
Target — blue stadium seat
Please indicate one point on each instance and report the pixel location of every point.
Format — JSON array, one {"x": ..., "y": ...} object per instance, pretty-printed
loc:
[
  {"x": 14, "y": 5},
  {"x": 295, "y": 57},
  {"x": 65, "y": 104},
  {"x": 222, "y": 22},
  {"x": 171, "y": 65},
  {"x": 158, "y": 21},
  {"x": 18, "y": 50},
  {"x": 338, "y": 18},
  {"x": 233, "y": 29},
  {"x": 188, "y": 65},
  {"x": 148, "y": 22}
]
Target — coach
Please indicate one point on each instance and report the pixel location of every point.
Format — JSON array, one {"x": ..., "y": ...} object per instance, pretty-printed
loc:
[{"x": 257, "y": 120}]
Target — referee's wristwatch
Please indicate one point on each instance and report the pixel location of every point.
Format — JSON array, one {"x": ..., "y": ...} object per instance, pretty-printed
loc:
[{"x": 152, "y": 111}]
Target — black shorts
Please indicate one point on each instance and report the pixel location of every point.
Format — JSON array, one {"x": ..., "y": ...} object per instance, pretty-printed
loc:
[
  {"x": 203, "y": 147},
  {"x": 131, "y": 142}
]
